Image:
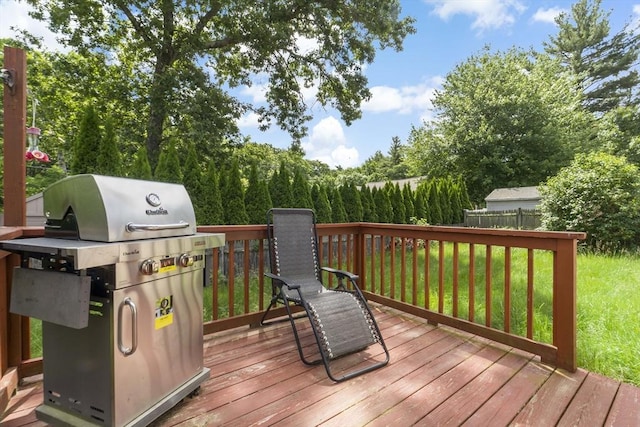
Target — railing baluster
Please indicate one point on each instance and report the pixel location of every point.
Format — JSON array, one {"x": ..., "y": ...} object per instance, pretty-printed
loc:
[
  {"x": 507, "y": 289},
  {"x": 247, "y": 268},
  {"x": 472, "y": 282},
  {"x": 530, "y": 293},
  {"x": 231, "y": 277},
  {"x": 455, "y": 279},
  {"x": 414, "y": 271},
  {"x": 440, "y": 276},
  {"x": 487, "y": 288}
]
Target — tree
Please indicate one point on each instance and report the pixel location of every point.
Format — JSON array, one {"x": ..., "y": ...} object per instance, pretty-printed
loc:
[
  {"x": 212, "y": 197},
  {"x": 384, "y": 210},
  {"x": 87, "y": 143},
  {"x": 507, "y": 120},
  {"x": 233, "y": 195},
  {"x": 338, "y": 213},
  {"x": 598, "y": 194},
  {"x": 353, "y": 204},
  {"x": 301, "y": 191},
  {"x": 169, "y": 169},
  {"x": 321, "y": 203},
  {"x": 368, "y": 206},
  {"x": 604, "y": 66},
  {"x": 141, "y": 168},
  {"x": 397, "y": 201},
  {"x": 176, "y": 41},
  {"x": 193, "y": 184},
  {"x": 280, "y": 188},
  {"x": 256, "y": 199},
  {"x": 108, "y": 162}
]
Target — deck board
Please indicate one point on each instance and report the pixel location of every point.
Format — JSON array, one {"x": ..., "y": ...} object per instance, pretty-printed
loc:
[{"x": 437, "y": 375}]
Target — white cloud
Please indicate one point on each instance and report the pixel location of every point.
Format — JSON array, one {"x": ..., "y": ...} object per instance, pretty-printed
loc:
[
  {"x": 548, "y": 15},
  {"x": 489, "y": 14},
  {"x": 249, "y": 121},
  {"x": 404, "y": 100},
  {"x": 327, "y": 143},
  {"x": 20, "y": 19}
]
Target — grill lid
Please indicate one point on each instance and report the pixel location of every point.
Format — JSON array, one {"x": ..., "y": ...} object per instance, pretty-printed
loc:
[{"x": 111, "y": 209}]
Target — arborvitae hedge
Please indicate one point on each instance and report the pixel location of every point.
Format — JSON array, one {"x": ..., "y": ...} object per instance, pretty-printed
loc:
[
  {"x": 141, "y": 169},
  {"x": 256, "y": 199},
  {"x": 109, "y": 161},
  {"x": 233, "y": 197},
  {"x": 87, "y": 143},
  {"x": 321, "y": 204},
  {"x": 169, "y": 169}
]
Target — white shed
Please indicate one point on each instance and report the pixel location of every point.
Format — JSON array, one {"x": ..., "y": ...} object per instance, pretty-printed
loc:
[{"x": 506, "y": 199}]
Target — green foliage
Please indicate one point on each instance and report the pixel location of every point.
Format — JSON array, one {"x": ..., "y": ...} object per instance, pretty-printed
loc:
[
  {"x": 301, "y": 192},
  {"x": 397, "y": 201},
  {"x": 256, "y": 199},
  {"x": 109, "y": 162},
  {"x": 384, "y": 209},
  {"x": 598, "y": 194},
  {"x": 352, "y": 203},
  {"x": 38, "y": 182},
  {"x": 504, "y": 120},
  {"x": 321, "y": 203},
  {"x": 368, "y": 205},
  {"x": 141, "y": 169},
  {"x": 186, "y": 43},
  {"x": 338, "y": 212},
  {"x": 280, "y": 188},
  {"x": 213, "y": 212},
  {"x": 169, "y": 169},
  {"x": 603, "y": 65},
  {"x": 233, "y": 195},
  {"x": 193, "y": 183},
  {"x": 434, "y": 215},
  {"x": 87, "y": 143}
]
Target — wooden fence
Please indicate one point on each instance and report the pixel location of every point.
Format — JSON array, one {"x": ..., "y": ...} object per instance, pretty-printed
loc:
[{"x": 519, "y": 219}]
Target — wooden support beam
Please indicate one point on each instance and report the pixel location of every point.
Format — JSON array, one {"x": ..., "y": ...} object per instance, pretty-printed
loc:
[{"x": 15, "y": 125}]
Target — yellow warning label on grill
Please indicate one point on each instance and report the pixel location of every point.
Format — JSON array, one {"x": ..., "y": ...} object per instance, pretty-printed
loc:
[
  {"x": 167, "y": 269},
  {"x": 164, "y": 312}
]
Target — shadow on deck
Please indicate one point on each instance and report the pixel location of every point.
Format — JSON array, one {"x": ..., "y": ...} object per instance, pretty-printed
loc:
[{"x": 436, "y": 376}]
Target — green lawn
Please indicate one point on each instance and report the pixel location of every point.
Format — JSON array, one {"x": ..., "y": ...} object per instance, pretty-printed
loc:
[{"x": 608, "y": 304}]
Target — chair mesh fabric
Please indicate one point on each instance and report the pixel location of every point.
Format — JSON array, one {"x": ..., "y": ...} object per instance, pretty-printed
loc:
[{"x": 344, "y": 324}]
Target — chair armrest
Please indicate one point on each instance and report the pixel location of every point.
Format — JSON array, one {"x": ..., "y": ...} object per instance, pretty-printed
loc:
[
  {"x": 341, "y": 273},
  {"x": 287, "y": 282}
]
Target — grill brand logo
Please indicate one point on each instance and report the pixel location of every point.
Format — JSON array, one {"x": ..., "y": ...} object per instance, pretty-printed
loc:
[
  {"x": 159, "y": 211},
  {"x": 153, "y": 199}
]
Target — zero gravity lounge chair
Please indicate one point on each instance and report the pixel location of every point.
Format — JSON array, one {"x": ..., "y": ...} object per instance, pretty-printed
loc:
[{"x": 340, "y": 318}]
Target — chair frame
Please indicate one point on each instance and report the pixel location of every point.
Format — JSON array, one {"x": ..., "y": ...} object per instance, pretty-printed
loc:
[{"x": 346, "y": 280}]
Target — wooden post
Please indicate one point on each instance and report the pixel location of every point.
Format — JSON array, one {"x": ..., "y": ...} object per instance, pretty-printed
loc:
[
  {"x": 564, "y": 303},
  {"x": 15, "y": 125}
]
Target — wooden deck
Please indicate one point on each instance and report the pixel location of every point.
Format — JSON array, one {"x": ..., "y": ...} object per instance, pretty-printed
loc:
[{"x": 437, "y": 376}]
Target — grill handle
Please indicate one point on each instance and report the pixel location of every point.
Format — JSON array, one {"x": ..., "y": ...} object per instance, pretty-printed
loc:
[
  {"x": 134, "y": 327},
  {"x": 130, "y": 227}
]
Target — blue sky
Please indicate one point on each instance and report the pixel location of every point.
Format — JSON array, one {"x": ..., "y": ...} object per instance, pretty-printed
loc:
[{"x": 403, "y": 83}]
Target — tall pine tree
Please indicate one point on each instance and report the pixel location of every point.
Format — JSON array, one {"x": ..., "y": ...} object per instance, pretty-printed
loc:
[{"x": 605, "y": 66}]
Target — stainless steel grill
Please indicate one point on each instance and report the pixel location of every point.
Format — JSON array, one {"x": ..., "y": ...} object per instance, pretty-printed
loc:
[{"x": 117, "y": 281}]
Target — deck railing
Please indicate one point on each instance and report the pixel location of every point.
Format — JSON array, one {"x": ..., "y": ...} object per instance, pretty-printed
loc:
[{"x": 506, "y": 285}]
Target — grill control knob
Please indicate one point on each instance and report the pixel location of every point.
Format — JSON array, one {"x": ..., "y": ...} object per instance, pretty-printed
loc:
[
  {"x": 186, "y": 260},
  {"x": 149, "y": 267}
]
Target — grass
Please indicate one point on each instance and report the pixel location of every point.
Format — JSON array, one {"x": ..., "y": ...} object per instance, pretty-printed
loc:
[{"x": 608, "y": 303}]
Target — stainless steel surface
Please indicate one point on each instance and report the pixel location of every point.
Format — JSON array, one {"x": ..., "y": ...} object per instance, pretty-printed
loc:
[
  {"x": 87, "y": 374},
  {"x": 92, "y": 254},
  {"x": 122, "y": 261},
  {"x": 104, "y": 205},
  {"x": 51, "y": 296}
]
